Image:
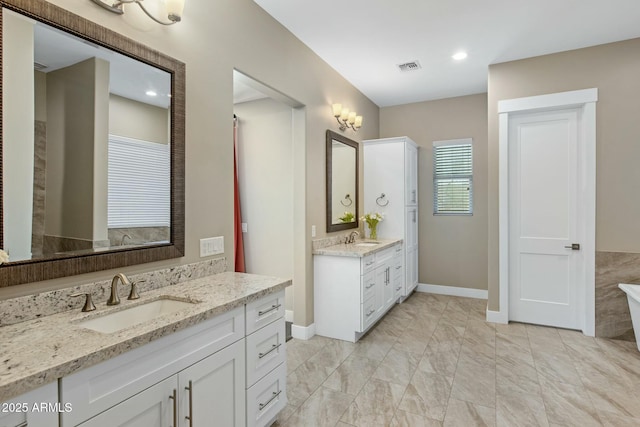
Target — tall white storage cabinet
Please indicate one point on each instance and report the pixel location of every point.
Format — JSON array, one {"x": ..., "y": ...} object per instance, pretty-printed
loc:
[{"x": 391, "y": 188}]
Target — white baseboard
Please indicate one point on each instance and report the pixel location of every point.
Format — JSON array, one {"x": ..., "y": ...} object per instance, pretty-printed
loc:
[
  {"x": 288, "y": 316},
  {"x": 303, "y": 332},
  {"x": 453, "y": 291},
  {"x": 496, "y": 317}
]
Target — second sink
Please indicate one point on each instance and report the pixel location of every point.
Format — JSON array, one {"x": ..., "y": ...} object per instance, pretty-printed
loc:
[{"x": 122, "y": 319}]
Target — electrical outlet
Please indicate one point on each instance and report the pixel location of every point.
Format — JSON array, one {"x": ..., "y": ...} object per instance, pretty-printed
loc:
[
  {"x": 244, "y": 227},
  {"x": 313, "y": 231},
  {"x": 211, "y": 246}
]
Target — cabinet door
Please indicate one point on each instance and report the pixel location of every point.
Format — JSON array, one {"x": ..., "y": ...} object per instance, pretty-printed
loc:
[
  {"x": 213, "y": 390},
  {"x": 411, "y": 174},
  {"x": 20, "y": 411},
  {"x": 153, "y": 407},
  {"x": 412, "y": 270},
  {"x": 382, "y": 273}
]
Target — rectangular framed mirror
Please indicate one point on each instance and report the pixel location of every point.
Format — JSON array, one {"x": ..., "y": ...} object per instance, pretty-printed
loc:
[
  {"x": 92, "y": 147},
  {"x": 342, "y": 182}
]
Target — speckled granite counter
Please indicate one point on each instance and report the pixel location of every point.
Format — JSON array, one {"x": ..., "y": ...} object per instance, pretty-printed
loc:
[
  {"x": 354, "y": 250},
  {"x": 39, "y": 351}
]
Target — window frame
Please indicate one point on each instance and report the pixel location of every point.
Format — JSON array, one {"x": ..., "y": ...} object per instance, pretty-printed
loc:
[{"x": 462, "y": 176}]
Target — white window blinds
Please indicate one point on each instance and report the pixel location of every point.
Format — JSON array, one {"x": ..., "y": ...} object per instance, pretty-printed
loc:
[
  {"x": 139, "y": 183},
  {"x": 453, "y": 177}
]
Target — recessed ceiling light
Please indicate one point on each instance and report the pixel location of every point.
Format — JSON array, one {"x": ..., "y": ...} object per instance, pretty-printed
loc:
[
  {"x": 151, "y": 93},
  {"x": 460, "y": 56}
]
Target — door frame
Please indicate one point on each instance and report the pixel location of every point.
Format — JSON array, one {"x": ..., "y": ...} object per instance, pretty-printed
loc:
[{"x": 585, "y": 101}]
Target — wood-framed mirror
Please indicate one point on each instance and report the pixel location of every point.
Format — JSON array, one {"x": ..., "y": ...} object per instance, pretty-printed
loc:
[
  {"x": 92, "y": 171},
  {"x": 342, "y": 182}
]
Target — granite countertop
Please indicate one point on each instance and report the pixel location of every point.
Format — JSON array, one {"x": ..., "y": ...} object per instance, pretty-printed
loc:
[
  {"x": 39, "y": 351},
  {"x": 354, "y": 250}
]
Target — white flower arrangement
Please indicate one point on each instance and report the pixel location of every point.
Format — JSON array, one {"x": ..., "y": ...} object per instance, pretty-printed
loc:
[
  {"x": 372, "y": 220},
  {"x": 4, "y": 257}
]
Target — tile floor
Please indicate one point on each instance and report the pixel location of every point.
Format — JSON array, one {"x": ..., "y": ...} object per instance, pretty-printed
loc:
[{"x": 434, "y": 361}]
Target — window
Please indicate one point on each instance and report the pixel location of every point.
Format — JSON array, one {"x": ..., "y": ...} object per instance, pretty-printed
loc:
[
  {"x": 453, "y": 177},
  {"x": 139, "y": 183}
]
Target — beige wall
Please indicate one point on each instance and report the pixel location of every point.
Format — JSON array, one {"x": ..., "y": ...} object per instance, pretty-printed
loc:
[
  {"x": 453, "y": 249},
  {"x": 126, "y": 115},
  {"x": 18, "y": 136},
  {"x": 213, "y": 39},
  {"x": 613, "y": 69},
  {"x": 265, "y": 178},
  {"x": 77, "y": 99}
]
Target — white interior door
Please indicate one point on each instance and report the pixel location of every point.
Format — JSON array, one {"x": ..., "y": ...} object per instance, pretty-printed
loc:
[{"x": 545, "y": 283}]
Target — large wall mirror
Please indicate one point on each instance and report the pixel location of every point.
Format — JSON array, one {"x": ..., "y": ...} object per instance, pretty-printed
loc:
[
  {"x": 342, "y": 182},
  {"x": 92, "y": 147}
]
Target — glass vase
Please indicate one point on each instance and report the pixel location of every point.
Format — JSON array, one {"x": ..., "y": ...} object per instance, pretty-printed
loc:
[{"x": 373, "y": 231}]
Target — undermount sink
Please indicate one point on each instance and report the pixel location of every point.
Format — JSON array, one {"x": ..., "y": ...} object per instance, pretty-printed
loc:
[
  {"x": 128, "y": 317},
  {"x": 367, "y": 244}
]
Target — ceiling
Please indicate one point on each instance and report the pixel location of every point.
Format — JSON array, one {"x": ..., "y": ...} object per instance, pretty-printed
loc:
[
  {"x": 129, "y": 78},
  {"x": 366, "y": 40}
]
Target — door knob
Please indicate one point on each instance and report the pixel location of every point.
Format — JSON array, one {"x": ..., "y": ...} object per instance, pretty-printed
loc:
[{"x": 574, "y": 247}]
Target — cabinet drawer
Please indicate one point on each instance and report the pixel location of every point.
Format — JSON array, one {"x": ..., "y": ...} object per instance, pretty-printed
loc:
[
  {"x": 398, "y": 251},
  {"x": 264, "y": 311},
  {"x": 384, "y": 255},
  {"x": 266, "y": 349},
  {"x": 368, "y": 313},
  {"x": 368, "y": 286},
  {"x": 97, "y": 388},
  {"x": 368, "y": 263},
  {"x": 267, "y": 397}
]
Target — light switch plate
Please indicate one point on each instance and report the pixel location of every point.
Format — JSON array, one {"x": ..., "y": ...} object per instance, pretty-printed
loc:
[
  {"x": 244, "y": 227},
  {"x": 211, "y": 246}
]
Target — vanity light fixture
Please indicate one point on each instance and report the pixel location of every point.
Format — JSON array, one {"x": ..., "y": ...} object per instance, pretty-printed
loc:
[
  {"x": 173, "y": 9},
  {"x": 346, "y": 119}
]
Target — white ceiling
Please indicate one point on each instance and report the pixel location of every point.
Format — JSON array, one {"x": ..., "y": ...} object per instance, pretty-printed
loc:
[
  {"x": 365, "y": 40},
  {"x": 128, "y": 77}
]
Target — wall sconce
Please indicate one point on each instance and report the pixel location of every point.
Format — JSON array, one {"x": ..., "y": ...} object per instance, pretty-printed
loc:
[
  {"x": 346, "y": 119},
  {"x": 173, "y": 9}
]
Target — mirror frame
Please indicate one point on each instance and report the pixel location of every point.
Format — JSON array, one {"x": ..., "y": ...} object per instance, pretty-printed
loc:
[
  {"x": 331, "y": 136},
  {"x": 18, "y": 272}
]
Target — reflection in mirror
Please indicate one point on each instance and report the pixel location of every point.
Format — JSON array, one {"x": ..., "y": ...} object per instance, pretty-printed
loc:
[
  {"x": 92, "y": 147},
  {"x": 342, "y": 182},
  {"x": 86, "y": 145}
]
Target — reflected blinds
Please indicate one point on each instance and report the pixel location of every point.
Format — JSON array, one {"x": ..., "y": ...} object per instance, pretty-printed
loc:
[
  {"x": 139, "y": 183},
  {"x": 453, "y": 177}
]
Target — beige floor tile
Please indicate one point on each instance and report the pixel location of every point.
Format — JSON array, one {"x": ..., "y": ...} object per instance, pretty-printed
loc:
[
  {"x": 407, "y": 419},
  {"x": 466, "y": 414},
  {"x": 615, "y": 420},
  {"x": 455, "y": 317},
  {"x": 427, "y": 395},
  {"x": 514, "y": 348},
  {"x": 556, "y": 366},
  {"x": 512, "y": 328},
  {"x": 323, "y": 408},
  {"x": 374, "y": 346},
  {"x": 567, "y": 404},
  {"x": 447, "y": 338},
  {"x": 375, "y": 405},
  {"x": 302, "y": 382},
  {"x": 520, "y": 410},
  {"x": 543, "y": 338},
  {"x": 397, "y": 367},
  {"x": 515, "y": 376},
  {"x": 439, "y": 363},
  {"x": 351, "y": 375},
  {"x": 475, "y": 380}
]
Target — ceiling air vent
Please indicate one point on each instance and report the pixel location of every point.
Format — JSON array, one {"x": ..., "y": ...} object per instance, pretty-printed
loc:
[
  {"x": 410, "y": 66},
  {"x": 38, "y": 66}
]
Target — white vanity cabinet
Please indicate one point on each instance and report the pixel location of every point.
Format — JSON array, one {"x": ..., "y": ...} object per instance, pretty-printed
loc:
[
  {"x": 351, "y": 293},
  {"x": 391, "y": 188},
  {"x": 266, "y": 360},
  {"x": 37, "y": 408},
  {"x": 205, "y": 375}
]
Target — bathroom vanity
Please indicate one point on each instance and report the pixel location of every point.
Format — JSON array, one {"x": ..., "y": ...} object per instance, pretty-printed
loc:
[
  {"x": 355, "y": 285},
  {"x": 221, "y": 358}
]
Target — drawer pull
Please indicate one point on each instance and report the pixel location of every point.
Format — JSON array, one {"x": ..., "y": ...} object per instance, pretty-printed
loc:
[
  {"x": 398, "y": 288},
  {"x": 370, "y": 263},
  {"x": 398, "y": 267},
  {"x": 273, "y": 347},
  {"x": 370, "y": 312},
  {"x": 370, "y": 285},
  {"x": 174, "y": 397},
  {"x": 23, "y": 424},
  {"x": 273, "y": 307},
  {"x": 265, "y": 404}
]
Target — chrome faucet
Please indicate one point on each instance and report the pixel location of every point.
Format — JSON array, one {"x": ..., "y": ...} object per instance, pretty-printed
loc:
[
  {"x": 114, "y": 299},
  {"x": 352, "y": 236}
]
